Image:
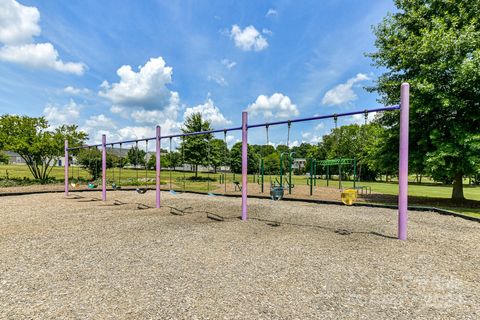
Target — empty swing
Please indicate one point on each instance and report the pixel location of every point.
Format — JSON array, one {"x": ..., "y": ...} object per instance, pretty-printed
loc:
[
  {"x": 276, "y": 191},
  {"x": 91, "y": 184},
  {"x": 171, "y": 159},
  {"x": 76, "y": 183},
  {"x": 211, "y": 194},
  {"x": 116, "y": 186},
  {"x": 145, "y": 189}
]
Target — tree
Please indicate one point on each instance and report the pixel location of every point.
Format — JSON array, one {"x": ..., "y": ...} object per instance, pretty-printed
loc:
[
  {"x": 195, "y": 147},
  {"x": 236, "y": 159},
  {"x": 152, "y": 162},
  {"x": 434, "y": 45},
  {"x": 302, "y": 150},
  {"x": 271, "y": 163},
  {"x": 218, "y": 153},
  {"x": 38, "y": 146},
  {"x": 136, "y": 156},
  {"x": 174, "y": 159},
  {"x": 4, "y": 158},
  {"x": 91, "y": 160},
  {"x": 281, "y": 148}
]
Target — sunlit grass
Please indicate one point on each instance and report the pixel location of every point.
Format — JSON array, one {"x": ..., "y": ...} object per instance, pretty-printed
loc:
[{"x": 129, "y": 177}]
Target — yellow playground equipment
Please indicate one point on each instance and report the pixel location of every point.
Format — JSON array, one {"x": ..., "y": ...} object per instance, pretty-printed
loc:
[{"x": 349, "y": 196}]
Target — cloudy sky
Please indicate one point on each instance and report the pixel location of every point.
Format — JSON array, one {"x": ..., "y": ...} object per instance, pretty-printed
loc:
[{"x": 121, "y": 67}]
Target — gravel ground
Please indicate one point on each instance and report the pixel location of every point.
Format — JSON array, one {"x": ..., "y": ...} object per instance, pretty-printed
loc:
[{"x": 77, "y": 258}]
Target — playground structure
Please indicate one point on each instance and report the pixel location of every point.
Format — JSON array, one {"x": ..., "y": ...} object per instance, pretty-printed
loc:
[
  {"x": 403, "y": 158},
  {"x": 326, "y": 164}
]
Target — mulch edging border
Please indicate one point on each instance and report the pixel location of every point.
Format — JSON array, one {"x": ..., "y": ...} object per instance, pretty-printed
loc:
[{"x": 329, "y": 202}]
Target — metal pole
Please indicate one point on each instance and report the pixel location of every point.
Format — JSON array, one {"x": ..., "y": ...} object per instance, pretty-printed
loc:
[
  {"x": 354, "y": 172},
  {"x": 262, "y": 172},
  {"x": 340, "y": 175},
  {"x": 328, "y": 174},
  {"x": 315, "y": 172},
  {"x": 244, "y": 164},
  {"x": 104, "y": 167},
  {"x": 311, "y": 176},
  {"x": 281, "y": 169},
  {"x": 66, "y": 168},
  {"x": 158, "y": 167},
  {"x": 403, "y": 163},
  {"x": 290, "y": 174}
]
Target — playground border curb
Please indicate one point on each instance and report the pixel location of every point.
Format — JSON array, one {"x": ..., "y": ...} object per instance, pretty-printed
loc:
[{"x": 329, "y": 202}]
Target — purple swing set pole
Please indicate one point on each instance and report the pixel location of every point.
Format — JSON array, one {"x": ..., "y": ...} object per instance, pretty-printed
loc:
[
  {"x": 158, "y": 168},
  {"x": 403, "y": 162},
  {"x": 104, "y": 167},
  {"x": 244, "y": 164},
  {"x": 66, "y": 168}
]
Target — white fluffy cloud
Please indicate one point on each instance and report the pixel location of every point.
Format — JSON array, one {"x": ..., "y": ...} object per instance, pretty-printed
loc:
[
  {"x": 18, "y": 26},
  {"x": 75, "y": 91},
  {"x": 248, "y": 39},
  {"x": 309, "y": 137},
  {"x": 145, "y": 88},
  {"x": 68, "y": 114},
  {"x": 39, "y": 55},
  {"x": 360, "y": 118},
  {"x": 100, "y": 122},
  {"x": 343, "y": 93},
  {"x": 18, "y": 23},
  {"x": 277, "y": 105},
  {"x": 156, "y": 117},
  {"x": 210, "y": 112}
]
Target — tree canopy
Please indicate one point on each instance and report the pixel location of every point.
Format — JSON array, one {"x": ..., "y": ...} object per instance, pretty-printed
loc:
[
  {"x": 36, "y": 143},
  {"x": 435, "y": 46},
  {"x": 195, "y": 147}
]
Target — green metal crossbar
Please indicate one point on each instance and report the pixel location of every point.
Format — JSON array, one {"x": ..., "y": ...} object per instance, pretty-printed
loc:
[{"x": 335, "y": 162}]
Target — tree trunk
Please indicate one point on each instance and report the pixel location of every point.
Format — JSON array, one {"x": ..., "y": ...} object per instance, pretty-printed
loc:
[
  {"x": 457, "y": 192},
  {"x": 196, "y": 170}
]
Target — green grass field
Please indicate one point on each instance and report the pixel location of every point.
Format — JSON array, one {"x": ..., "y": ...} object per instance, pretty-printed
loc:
[{"x": 129, "y": 177}]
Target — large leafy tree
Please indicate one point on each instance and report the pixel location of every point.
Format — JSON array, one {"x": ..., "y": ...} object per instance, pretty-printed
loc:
[
  {"x": 174, "y": 159},
  {"x": 195, "y": 147},
  {"x": 36, "y": 143},
  {"x": 435, "y": 45},
  {"x": 91, "y": 160},
  {"x": 136, "y": 156},
  {"x": 236, "y": 159},
  {"x": 217, "y": 153}
]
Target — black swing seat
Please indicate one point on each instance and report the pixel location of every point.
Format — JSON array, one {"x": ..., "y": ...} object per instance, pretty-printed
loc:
[
  {"x": 238, "y": 187},
  {"x": 141, "y": 190}
]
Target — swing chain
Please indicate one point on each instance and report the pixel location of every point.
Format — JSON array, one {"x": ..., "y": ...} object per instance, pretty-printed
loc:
[
  {"x": 288, "y": 134},
  {"x": 170, "y": 155},
  {"x": 225, "y": 160},
  {"x": 120, "y": 167},
  {"x": 146, "y": 167}
]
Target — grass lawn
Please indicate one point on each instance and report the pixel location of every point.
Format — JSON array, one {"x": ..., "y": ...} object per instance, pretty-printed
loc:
[{"x": 129, "y": 177}]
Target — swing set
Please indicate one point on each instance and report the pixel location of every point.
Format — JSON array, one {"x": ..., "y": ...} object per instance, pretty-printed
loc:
[{"x": 403, "y": 107}]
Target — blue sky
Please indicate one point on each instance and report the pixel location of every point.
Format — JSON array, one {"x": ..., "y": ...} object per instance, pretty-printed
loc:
[{"x": 120, "y": 67}]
